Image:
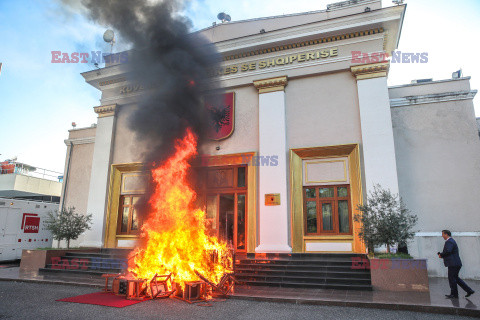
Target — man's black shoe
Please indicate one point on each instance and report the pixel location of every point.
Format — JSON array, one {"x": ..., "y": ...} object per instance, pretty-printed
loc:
[
  {"x": 469, "y": 294},
  {"x": 450, "y": 296}
]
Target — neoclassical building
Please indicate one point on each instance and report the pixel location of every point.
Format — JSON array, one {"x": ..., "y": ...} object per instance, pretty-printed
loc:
[{"x": 312, "y": 131}]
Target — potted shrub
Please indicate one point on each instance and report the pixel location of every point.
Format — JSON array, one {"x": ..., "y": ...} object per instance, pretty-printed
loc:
[{"x": 387, "y": 222}]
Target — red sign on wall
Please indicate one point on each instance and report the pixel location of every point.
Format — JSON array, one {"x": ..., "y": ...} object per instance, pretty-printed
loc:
[
  {"x": 30, "y": 223},
  {"x": 221, "y": 110}
]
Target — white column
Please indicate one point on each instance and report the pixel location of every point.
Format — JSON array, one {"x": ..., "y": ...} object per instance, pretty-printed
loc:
[
  {"x": 273, "y": 220},
  {"x": 376, "y": 123},
  {"x": 97, "y": 196}
]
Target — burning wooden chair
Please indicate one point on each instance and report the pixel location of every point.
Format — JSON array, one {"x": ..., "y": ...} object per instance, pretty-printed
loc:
[
  {"x": 193, "y": 292},
  {"x": 224, "y": 287},
  {"x": 136, "y": 289},
  {"x": 108, "y": 276},
  {"x": 161, "y": 286}
]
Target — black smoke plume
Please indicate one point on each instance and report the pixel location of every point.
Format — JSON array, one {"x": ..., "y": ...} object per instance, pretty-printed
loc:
[{"x": 169, "y": 61}]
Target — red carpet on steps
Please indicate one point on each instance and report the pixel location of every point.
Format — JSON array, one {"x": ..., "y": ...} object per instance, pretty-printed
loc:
[{"x": 102, "y": 299}]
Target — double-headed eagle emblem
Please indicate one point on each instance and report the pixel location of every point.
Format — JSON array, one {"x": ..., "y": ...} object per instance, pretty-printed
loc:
[{"x": 219, "y": 117}]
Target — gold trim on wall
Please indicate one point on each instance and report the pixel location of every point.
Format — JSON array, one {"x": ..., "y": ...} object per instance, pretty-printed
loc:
[
  {"x": 240, "y": 159},
  {"x": 304, "y": 43},
  {"x": 296, "y": 193},
  {"x": 105, "y": 111},
  {"x": 328, "y": 237},
  {"x": 370, "y": 71},
  {"x": 271, "y": 84},
  {"x": 114, "y": 189},
  {"x": 111, "y": 81},
  {"x": 252, "y": 208}
]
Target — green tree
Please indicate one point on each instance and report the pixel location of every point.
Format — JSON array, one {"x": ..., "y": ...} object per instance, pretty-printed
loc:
[
  {"x": 67, "y": 224},
  {"x": 385, "y": 220}
]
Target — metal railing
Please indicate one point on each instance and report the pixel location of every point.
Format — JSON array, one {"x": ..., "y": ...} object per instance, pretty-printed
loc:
[{"x": 24, "y": 169}]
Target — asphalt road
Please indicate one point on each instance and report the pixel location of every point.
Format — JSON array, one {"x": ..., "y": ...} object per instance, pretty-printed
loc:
[{"x": 37, "y": 301}]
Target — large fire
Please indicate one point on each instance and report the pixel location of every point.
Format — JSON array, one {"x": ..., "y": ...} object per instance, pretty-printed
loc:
[{"x": 174, "y": 235}]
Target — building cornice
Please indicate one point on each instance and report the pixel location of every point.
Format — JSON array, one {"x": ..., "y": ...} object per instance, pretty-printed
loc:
[
  {"x": 271, "y": 84},
  {"x": 383, "y": 19},
  {"x": 370, "y": 71},
  {"x": 433, "y": 98},
  {"x": 105, "y": 111},
  {"x": 111, "y": 81},
  {"x": 306, "y": 43},
  {"x": 79, "y": 141}
]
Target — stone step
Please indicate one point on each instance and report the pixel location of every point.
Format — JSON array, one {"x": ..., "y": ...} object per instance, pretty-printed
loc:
[
  {"x": 332, "y": 273},
  {"x": 309, "y": 285},
  {"x": 96, "y": 259},
  {"x": 301, "y": 279},
  {"x": 306, "y": 268},
  {"x": 87, "y": 263},
  {"x": 97, "y": 255},
  {"x": 300, "y": 256},
  {"x": 95, "y": 273},
  {"x": 303, "y": 270},
  {"x": 264, "y": 262}
]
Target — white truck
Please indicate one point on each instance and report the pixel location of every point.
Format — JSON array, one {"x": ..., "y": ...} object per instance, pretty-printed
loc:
[{"x": 22, "y": 226}]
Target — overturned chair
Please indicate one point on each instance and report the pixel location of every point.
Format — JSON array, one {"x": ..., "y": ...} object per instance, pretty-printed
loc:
[
  {"x": 161, "y": 286},
  {"x": 224, "y": 286}
]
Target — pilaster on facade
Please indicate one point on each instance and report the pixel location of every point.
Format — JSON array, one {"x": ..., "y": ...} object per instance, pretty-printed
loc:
[
  {"x": 98, "y": 190},
  {"x": 273, "y": 220},
  {"x": 376, "y": 121}
]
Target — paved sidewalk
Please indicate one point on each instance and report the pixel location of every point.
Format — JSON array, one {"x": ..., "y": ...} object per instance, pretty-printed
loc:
[
  {"x": 434, "y": 301},
  {"x": 37, "y": 301}
]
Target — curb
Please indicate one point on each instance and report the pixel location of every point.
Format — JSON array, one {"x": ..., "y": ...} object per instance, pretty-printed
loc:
[{"x": 374, "y": 305}]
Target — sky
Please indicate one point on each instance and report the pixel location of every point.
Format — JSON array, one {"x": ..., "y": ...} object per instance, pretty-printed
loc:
[{"x": 39, "y": 100}]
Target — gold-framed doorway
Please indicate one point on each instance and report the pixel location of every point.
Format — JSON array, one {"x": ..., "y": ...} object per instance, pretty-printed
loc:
[
  {"x": 111, "y": 237},
  {"x": 114, "y": 192},
  {"x": 299, "y": 238}
]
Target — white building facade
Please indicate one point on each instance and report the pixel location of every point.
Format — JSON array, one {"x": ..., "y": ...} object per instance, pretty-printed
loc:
[{"x": 333, "y": 125}]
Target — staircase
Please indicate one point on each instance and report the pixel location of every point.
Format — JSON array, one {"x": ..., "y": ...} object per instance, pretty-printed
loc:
[
  {"x": 86, "y": 266},
  {"x": 302, "y": 270}
]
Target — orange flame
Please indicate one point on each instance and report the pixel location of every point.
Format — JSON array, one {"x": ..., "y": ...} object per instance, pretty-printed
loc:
[{"x": 174, "y": 235}]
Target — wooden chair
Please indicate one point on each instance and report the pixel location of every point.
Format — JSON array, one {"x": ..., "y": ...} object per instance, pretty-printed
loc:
[
  {"x": 224, "y": 287},
  {"x": 135, "y": 289},
  {"x": 161, "y": 286},
  {"x": 108, "y": 276}
]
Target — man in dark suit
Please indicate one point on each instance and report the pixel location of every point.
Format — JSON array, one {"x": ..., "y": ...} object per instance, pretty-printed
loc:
[{"x": 451, "y": 259}]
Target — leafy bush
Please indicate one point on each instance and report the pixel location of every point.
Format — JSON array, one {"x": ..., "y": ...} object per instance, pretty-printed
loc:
[
  {"x": 67, "y": 224},
  {"x": 385, "y": 220}
]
